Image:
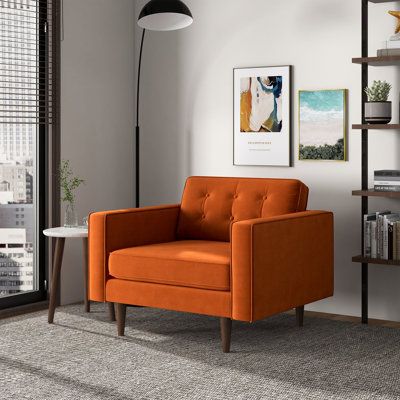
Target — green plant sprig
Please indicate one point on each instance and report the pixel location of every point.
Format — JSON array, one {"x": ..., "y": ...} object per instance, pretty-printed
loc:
[
  {"x": 68, "y": 182},
  {"x": 379, "y": 91}
]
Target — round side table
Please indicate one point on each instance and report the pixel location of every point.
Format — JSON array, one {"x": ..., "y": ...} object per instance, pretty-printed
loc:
[{"x": 60, "y": 234}]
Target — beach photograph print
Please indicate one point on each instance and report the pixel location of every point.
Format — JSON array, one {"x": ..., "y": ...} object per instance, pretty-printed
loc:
[
  {"x": 322, "y": 125},
  {"x": 261, "y": 104},
  {"x": 262, "y": 116}
]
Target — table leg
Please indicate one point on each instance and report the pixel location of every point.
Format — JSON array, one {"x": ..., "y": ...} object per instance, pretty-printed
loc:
[
  {"x": 55, "y": 279},
  {"x": 86, "y": 275}
]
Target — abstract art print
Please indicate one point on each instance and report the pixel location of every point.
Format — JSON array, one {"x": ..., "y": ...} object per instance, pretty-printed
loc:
[
  {"x": 262, "y": 126},
  {"x": 322, "y": 124}
]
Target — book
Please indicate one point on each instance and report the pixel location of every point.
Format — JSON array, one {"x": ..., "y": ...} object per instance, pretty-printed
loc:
[
  {"x": 397, "y": 240},
  {"x": 390, "y": 240},
  {"x": 367, "y": 233},
  {"x": 393, "y": 174},
  {"x": 379, "y": 232},
  {"x": 387, "y": 220},
  {"x": 387, "y": 182},
  {"x": 373, "y": 239},
  {"x": 387, "y": 188}
]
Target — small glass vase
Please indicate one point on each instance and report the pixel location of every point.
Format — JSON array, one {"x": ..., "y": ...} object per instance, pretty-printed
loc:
[{"x": 70, "y": 216}]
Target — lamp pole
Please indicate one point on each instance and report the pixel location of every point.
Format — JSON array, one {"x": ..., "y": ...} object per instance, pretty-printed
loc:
[{"x": 137, "y": 136}]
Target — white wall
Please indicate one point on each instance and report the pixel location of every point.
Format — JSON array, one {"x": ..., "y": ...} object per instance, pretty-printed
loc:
[
  {"x": 97, "y": 113},
  {"x": 187, "y": 112}
]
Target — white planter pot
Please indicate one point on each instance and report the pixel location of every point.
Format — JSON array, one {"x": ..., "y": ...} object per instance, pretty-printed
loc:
[{"x": 378, "y": 112}]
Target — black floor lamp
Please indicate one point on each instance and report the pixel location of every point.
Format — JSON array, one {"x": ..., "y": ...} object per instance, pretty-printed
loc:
[{"x": 157, "y": 15}]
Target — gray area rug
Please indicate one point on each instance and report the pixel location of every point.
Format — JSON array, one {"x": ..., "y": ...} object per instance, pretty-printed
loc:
[{"x": 167, "y": 355}]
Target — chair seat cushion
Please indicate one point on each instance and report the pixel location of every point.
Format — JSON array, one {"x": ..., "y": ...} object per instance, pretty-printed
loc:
[{"x": 191, "y": 263}]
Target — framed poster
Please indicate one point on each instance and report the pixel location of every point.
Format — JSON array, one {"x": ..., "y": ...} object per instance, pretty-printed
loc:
[
  {"x": 322, "y": 124},
  {"x": 262, "y": 116}
]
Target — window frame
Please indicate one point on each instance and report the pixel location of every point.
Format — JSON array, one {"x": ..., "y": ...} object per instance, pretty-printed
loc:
[{"x": 47, "y": 156}]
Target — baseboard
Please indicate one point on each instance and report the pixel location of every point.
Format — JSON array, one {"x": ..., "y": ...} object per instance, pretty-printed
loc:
[
  {"x": 348, "y": 318},
  {"x": 25, "y": 309}
]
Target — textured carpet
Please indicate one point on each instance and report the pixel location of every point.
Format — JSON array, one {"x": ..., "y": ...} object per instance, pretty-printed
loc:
[{"x": 168, "y": 355}]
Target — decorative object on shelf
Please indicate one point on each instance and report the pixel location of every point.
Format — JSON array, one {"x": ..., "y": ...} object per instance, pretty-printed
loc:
[
  {"x": 68, "y": 184},
  {"x": 322, "y": 124},
  {"x": 378, "y": 110},
  {"x": 156, "y": 15},
  {"x": 391, "y": 47},
  {"x": 262, "y": 116},
  {"x": 387, "y": 181},
  {"x": 396, "y": 14}
]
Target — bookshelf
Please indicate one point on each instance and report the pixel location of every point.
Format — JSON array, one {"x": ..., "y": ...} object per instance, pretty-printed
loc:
[
  {"x": 375, "y": 126},
  {"x": 378, "y": 261},
  {"x": 365, "y": 62}
]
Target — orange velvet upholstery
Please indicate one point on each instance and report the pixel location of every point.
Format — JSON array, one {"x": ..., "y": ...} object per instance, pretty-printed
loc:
[
  {"x": 210, "y": 205},
  {"x": 237, "y": 248},
  {"x": 189, "y": 263},
  {"x": 280, "y": 263},
  {"x": 113, "y": 230}
]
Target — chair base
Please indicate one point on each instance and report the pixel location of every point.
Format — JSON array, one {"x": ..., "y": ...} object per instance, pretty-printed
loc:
[
  {"x": 226, "y": 330},
  {"x": 225, "y": 324},
  {"x": 121, "y": 317},
  {"x": 300, "y": 316}
]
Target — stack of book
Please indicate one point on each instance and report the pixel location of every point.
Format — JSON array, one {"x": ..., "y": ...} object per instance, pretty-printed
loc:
[
  {"x": 387, "y": 181},
  {"x": 382, "y": 235},
  {"x": 390, "y": 47}
]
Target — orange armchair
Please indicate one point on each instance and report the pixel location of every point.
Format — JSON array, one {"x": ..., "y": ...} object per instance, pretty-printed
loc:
[{"x": 235, "y": 248}]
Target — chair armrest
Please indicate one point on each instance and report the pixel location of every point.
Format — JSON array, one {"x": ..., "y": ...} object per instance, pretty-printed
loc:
[
  {"x": 113, "y": 230},
  {"x": 280, "y": 263}
]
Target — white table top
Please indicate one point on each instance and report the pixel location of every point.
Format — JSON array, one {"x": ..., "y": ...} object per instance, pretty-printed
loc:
[{"x": 63, "y": 232}]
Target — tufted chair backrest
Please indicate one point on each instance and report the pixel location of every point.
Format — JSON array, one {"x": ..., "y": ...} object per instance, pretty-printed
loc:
[{"x": 210, "y": 205}]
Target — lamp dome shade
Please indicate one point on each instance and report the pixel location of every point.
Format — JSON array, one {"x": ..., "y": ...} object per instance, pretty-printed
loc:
[{"x": 165, "y": 15}]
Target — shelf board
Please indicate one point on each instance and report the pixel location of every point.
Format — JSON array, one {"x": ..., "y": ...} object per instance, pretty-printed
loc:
[
  {"x": 381, "y": 1},
  {"x": 376, "y": 126},
  {"x": 361, "y": 259},
  {"x": 377, "y": 61},
  {"x": 376, "y": 193}
]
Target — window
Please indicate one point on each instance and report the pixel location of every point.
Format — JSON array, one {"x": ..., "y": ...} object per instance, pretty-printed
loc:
[{"x": 28, "y": 82}]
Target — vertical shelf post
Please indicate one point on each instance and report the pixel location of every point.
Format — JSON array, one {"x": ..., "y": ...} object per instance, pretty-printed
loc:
[{"x": 364, "y": 158}]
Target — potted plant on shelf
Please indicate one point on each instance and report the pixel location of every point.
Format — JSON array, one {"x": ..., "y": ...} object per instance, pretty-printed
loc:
[
  {"x": 378, "y": 110},
  {"x": 69, "y": 184}
]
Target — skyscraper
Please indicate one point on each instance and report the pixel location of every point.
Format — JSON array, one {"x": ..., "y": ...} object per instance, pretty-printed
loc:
[{"x": 18, "y": 96}]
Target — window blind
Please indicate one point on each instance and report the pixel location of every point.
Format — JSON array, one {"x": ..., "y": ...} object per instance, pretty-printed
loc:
[{"x": 26, "y": 67}]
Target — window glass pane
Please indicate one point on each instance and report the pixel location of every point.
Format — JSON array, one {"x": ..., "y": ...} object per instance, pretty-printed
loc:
[{"x": 19, "y": 93}]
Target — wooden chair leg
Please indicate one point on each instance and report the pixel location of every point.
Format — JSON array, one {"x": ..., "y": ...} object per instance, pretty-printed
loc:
[
  {"x": 226, "y": 329},
  {"x": 121, "y": 316},
  {"x": 111, "y": 311},
  {"x": 300, "y": 316}
]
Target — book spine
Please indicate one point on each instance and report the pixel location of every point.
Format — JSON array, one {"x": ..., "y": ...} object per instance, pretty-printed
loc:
[
  {"x": 387, "y": 188},
  {"x": 385, "y": 249},
  {"x": 386, "y": 182},
  {"x": 390, "y": 241},
  {"x": 397, "y": 229},
  {"x": 378, "y": 237},
  {"x": 367, "y": 238},
  {"x": 373, "y": 239},
  {"x": 392, "y": 173}
]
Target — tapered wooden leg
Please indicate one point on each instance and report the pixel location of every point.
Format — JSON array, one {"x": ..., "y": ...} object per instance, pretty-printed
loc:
[
  {"x": 121, "y": 316},
  {"x": 86, "y": 276},
  {"x": 300, "y": 315},
  {"x": 226, "y": 329},
  {"x": 111, "y": 311},
  {"x": 55, "y": 279}
]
